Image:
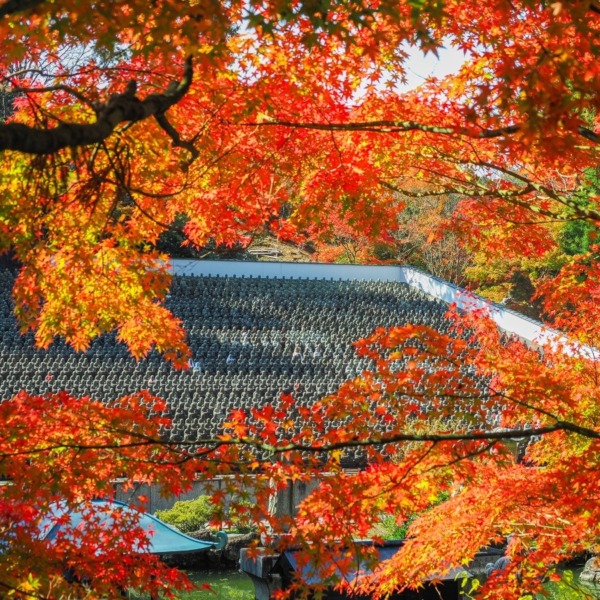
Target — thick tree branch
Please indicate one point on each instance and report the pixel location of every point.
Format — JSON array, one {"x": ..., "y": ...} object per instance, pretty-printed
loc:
[
  {"x": 120, "y": 108},
  {"x": 15, "y": 6},
  {"x": 589, "y": 135},
  {"x": 594, "y": 8}
]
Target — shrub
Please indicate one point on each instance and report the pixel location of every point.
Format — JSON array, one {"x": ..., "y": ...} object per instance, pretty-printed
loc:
[
  {"x": 389, "y": 528},
  {"x": 189, "y": 515},
  {"x": 240, "y": 517}
]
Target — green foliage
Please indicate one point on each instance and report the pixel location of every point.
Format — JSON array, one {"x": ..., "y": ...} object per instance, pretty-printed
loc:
[
  {"x": 567, "y": 588},
  {"x": 212, "y": 585},
  {"x": 389, "y": 529},
  {"x": 189, "y": 515},
  {"x": 224, "y": 585},
  {"x": 576, "y": 237},
  {"x": 240, "y": 517},
  {"x": 172, "y": 241}
]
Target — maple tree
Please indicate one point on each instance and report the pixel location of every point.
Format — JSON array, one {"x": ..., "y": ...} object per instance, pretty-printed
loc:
[
  {"x": 124, "y": 117},
  {"x": 423, "y": 239},
  {"x": 58, "y": 454}
]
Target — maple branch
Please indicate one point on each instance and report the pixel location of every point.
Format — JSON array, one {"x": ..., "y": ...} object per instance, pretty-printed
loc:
[
  {"x": 53, "y": 88},
  {"x": 119, "y": 180},
  {"x": 526, "y": 405},
  {"x": 394, "y": 127},
  {"x": 578, "y": 211},
  {"x": 392, "y": 439},
  {"x": 25, "y": 593},
  {"x": 130, "y": 190},
  {"x": 162, "y": 120},
  {"x": 210, "y": 445},
  {"x": 120, "y": 108},
  {"x": 581, "y": 211},
  {"x": 482, "y": 193},
  {"x": 78, "y": 446},
  {"x": 594, "y": 8},
  {"x": 460, "y": 457},
  {"x": 510, "y": 196},
  {"x": 588, "y": 133},
  {"x": 14, "y": 6}
]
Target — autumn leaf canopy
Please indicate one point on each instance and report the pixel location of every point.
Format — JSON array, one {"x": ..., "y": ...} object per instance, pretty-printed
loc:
[{"x": 125, "y": 121}]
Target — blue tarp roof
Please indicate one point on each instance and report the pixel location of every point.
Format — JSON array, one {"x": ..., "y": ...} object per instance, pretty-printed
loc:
[
  {"x": 384, "y": 552},
  {"x": 309, "y": 576},
  {"x": 163, "y": 538}
]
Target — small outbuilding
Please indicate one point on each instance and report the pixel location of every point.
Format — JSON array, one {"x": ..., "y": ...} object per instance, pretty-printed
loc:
[{"x": 272, "y": 572}]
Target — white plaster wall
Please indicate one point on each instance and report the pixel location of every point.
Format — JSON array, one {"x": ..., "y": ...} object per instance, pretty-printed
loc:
[
  {"x": 506, "y": 319},
  {"x": 289, "y": 270}
]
